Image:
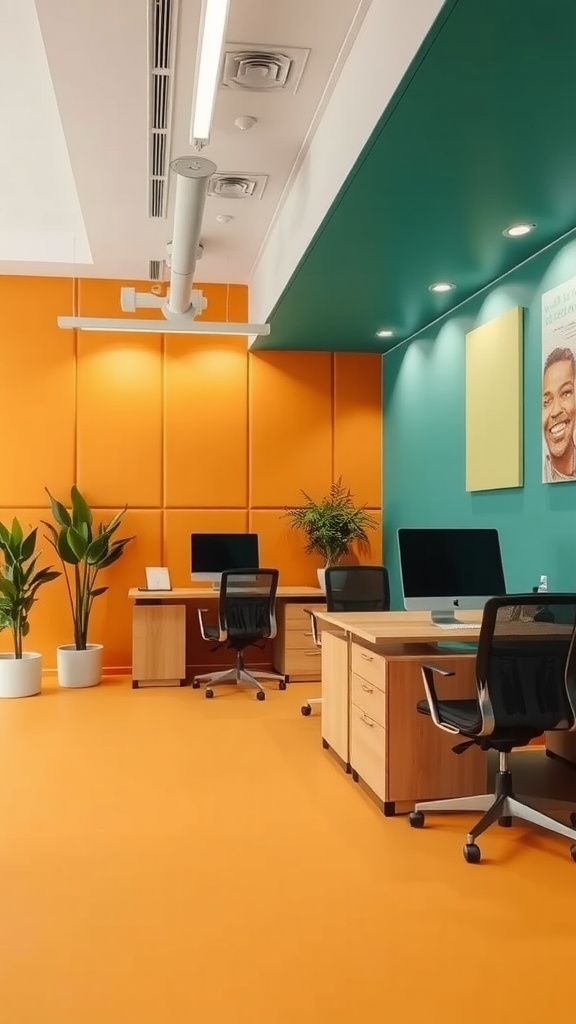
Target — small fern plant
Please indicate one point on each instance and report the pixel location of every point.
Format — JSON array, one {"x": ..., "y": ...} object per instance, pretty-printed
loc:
[{"x": 332, "y": 524}]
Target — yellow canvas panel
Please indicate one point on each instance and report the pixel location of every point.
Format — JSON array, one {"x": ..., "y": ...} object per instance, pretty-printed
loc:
[{"x": 494, "y": 442}]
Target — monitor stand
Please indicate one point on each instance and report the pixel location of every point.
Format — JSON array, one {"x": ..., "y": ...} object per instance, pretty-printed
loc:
[{"x": 443, "y": 618}]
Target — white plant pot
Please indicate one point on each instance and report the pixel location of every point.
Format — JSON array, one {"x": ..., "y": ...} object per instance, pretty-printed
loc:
[
  {"x": 79, "y": 668},
  {"x": 322, "y": 579},
  {"x": 20, "y": 677}
]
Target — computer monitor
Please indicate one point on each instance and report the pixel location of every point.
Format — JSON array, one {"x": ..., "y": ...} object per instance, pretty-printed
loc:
[
  {"x": 444, "y": 570},
  {"x": 212, "y": 553}
]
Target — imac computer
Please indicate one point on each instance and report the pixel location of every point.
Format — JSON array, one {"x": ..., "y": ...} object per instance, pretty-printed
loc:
[
  {"x": 447, "y": 570},
  {"x": 212, "y": 553}
]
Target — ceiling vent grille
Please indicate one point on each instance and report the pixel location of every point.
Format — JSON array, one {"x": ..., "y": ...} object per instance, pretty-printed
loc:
[
  {"x": 257, "y": 68},
  {"x": 162, "y": 22},
  {"x": 237, "y": 186}
]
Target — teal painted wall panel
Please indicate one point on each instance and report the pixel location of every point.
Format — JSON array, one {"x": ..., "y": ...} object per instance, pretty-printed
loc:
[{"x": 424, "y": 438}]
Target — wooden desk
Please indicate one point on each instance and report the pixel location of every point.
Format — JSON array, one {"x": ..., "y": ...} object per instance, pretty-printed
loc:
[
  {"x": 159, "y": 633},
  {"x": 371, "y": 682}
]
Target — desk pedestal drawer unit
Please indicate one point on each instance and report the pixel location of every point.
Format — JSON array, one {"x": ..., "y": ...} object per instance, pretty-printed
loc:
[
  {"x": 158, "y": 644},
  {"x": 295, "y": 653}
]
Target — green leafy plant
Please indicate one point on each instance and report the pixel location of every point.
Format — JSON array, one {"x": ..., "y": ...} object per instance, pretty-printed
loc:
[
  {"x": 332, "y": 524},
  {"x": 19, "y": 581},
  {"x": 83, "y": 552}
]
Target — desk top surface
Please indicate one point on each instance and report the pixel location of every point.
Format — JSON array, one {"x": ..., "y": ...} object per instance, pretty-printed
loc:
[
  {"x": 417, "y": 627},
  {"x": 189, "y": 593}
]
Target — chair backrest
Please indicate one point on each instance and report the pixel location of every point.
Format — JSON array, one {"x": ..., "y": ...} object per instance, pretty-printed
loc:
[
  {"x": 357, "y": 588},
  {"x": 246, "y": 608},
  {"x": 526, "y": 664}
]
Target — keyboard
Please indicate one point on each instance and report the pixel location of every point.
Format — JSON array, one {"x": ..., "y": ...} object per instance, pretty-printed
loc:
[{"x": 458, "y": 625}]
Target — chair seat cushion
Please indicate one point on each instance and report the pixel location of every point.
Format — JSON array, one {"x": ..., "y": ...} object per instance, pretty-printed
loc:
[
  {"x": 464, "y": 715},
  {"x": 212, "y": 632}
]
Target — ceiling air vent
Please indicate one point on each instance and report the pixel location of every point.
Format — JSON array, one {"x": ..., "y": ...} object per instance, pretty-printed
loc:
[
  {"x": 259, "y": 68},
  {"x": 237, "y": 186},
  {"x": 162, "y": 22}
]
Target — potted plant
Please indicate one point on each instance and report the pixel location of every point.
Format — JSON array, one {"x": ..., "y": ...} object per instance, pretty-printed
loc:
[
  {"x": 83, "y": 552},
  {"x": 332, "y": 525},
  {"x": 20, "y": 580}
]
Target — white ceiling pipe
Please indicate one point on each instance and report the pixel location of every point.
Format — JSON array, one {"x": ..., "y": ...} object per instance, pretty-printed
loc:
[{"x": 193, "y": 174}]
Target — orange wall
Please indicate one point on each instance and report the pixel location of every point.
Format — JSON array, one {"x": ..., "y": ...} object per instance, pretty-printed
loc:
[{"x": 191, "y": 432}]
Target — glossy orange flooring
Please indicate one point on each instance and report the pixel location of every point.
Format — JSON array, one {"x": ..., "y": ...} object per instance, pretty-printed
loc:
[{"x": 171, "y": 860}]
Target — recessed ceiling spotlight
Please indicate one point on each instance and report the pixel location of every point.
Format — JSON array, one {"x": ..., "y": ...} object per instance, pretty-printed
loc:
[
  {"x": 442, "y": 286},
  {"x": 517, "y": 230},
  {"x": 224, "y": 218},
  {"x": 384, "y": 334}
]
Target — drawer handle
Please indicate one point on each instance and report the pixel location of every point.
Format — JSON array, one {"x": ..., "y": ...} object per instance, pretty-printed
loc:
[
  {"x": 312, "y": 654},
  {"x": 367, "y": 657},
  {"x": 366, "y": 721},
  {"x": 308, "y": 633},
  {"x": 367, "y": 689}
]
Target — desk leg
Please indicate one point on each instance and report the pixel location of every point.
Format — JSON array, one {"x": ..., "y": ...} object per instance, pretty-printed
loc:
[{"x": 159, "y": 644}]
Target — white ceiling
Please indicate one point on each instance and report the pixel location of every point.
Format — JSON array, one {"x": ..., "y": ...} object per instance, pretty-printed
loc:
[{"x": 73, "y": 122}]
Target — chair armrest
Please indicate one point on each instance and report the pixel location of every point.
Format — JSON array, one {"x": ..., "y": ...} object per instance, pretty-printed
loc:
[
  {"x": 428, "y": 672},
  {"x": 221, "y": 634},
  {"x": 315, "y": 632}
]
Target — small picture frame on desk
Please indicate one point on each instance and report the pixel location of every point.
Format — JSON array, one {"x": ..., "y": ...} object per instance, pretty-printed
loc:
[{"x": 157, "y": 578}]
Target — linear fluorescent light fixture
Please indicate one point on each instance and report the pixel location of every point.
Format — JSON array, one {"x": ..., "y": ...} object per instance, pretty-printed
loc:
[
  {"x": 213, "y": 18},
  {"x": 172, "y": 326}
]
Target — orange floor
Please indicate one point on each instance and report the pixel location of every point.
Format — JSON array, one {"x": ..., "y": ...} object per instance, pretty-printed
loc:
[{"x": 171, "y": 860}]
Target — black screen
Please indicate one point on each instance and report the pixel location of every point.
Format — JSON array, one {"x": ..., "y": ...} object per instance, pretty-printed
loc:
[
  {"x": 451, "y": 563},
  {"x": 217, "y": 552}
]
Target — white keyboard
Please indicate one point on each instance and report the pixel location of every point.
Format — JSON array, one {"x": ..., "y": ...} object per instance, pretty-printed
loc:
[{"x": 458, "y": 625}]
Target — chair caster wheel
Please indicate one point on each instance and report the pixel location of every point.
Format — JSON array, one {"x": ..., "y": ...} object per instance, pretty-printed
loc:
[
  {"x": 282, "y": 684},
  {"x": 416, "y": 819},
  {"x": 505, "y": 822},
  {"x": 209, "y": 693},
  {"x": 573, "y": 852},
  {"x": 306, "y": 710},
  {"x": 260, "y": 695},
  {"x": 471, "y": 853},
  {"x": 195, "y": 684},
  {"x": 573, "y": 819}
]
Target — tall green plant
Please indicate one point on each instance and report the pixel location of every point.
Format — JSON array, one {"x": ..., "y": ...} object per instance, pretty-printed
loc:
[
  {"x": 332, "y": 524},
  {"x": 83, "y": 553},
  {"x": 19, "y": 581}
]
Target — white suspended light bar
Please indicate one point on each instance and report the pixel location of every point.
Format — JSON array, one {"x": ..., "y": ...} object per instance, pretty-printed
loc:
[
  {"x": 176, "y": 325},
  {"x": 213, "y": 18}
]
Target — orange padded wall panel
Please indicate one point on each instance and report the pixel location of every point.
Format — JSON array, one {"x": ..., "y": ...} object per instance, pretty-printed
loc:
[
  {"x": 206, "y": 414},
  {"x": 38, "y": 374},
  {"x": 193, "y": 433},
  {"x": 290, "y": 426},
  {"x": 358, "y": 424}
]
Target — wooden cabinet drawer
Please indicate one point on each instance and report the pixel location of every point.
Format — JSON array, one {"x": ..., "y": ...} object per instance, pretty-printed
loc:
[
  {"x": 371, "y": 666},
  {"x": 368, "y": 698},
  {"x": 299, "y": 639},
  {"x": 296, "y": 616},
  {"x": 304, "y": 663},
  {"x": 368, "y": 750}
]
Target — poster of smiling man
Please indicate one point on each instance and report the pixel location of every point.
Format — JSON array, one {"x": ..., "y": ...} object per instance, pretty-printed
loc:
[{"x": 558, "y": 372}]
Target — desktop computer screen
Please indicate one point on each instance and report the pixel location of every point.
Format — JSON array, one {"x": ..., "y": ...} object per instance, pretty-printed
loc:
[
  {"x": 212, "y": 553},
  {"x": 444, "y": 570}
]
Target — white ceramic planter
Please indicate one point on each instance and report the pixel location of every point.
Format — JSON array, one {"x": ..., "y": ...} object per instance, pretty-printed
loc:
[
  {"x": 79, "y": 668},
  {"x": 20, "y": 677},
  {"x": 322, "y": 579}
]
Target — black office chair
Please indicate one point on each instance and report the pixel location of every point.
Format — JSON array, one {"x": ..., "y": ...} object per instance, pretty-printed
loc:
[
  {"x": 352, "y": 588},
  {"x": 245, "y": 616},
  {"x": 526, "y": 684}
]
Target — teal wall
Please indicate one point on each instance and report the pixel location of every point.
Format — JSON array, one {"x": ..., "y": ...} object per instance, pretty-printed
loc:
[{"x": 424, "y": 438}]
